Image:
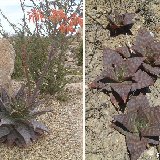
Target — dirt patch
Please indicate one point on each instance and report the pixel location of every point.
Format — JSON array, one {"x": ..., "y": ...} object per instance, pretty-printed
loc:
[{"x": 102, "y": 142}]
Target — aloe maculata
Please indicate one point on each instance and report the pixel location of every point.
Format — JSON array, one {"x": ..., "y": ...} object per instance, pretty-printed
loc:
[
  {"x": 147, "y": 46},
  {"x": 120, "y": 23},
  {"x": 121, "y": 75},
  {"x": 140, "y": 124},
  {"x": 18, "y": 125}
]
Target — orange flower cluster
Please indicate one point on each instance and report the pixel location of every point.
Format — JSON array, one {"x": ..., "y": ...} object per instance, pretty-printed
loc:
[
  {"x": 58, "y": 17},
  {"x": 35, "y": 15},
  {"x": 73, "y": 21}
]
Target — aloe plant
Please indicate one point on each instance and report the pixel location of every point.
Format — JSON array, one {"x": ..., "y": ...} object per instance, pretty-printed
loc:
[
  {"x": 121, "y": 75},
  {"x": 140, "y": 125},
  {"x": 120, "y": 23},
  {"x": 18, "y": 124}
]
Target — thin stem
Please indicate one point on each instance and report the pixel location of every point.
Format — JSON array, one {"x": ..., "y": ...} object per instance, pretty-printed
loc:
[{"x": 44, "y": 72}]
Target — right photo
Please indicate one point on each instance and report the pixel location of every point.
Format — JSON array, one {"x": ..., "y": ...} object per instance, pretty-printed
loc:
[{"x": 122, "y": 70}]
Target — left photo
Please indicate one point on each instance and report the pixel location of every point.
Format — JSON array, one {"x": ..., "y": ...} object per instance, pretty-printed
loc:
[{"x": 41, "y": 80}]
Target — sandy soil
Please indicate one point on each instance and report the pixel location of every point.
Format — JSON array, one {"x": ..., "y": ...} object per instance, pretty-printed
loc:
[{"x": 102, "y": 142}]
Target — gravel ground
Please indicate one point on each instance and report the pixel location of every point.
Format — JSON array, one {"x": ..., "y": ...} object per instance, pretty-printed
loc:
[{"x": 102, "y": 142}]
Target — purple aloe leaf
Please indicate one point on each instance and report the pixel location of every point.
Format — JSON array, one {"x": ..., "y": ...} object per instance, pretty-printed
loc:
[
  {"x": 11, "y": 138},
  {"x": 124, "y": 51},
  {"x": 157, "y": 60},
  {"x": 136, "y": 101},
  {"x": 38, "y": 125},
  {"x": 24, "y": 131},
  {"x": 128, "y": 18},
  {"x": 143, "y": 80},
  {"x": 111, "y": 57},
  {"x": 133, "y": 64},
  {"x": 36, "y": 112},
  {"x": 152, "y": 70},
  {"x": 151, "y": 131},
  {"x": 143, "y": 42},
  {"x": 109, "y": 73},
  {"x": 135, "y": 145},
  {"x": 122, "y": 89},
  {"x": 127, "y": 120},
  {"x": 113, "y": 99},
  {"x": 4, "y": 131}
]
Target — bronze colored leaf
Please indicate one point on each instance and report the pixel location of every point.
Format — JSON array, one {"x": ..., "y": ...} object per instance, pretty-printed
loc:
[
  {"x": 136, "y": 146},
  {"x": 124, "y": 51},
  {"x": 137, "y": 101},
  {"x": 122, "y": 89},
  {"x": 38, "y": 125},
  {"x": 24, "y": 131},
  {"x": 128, "y": 18},
  {"x": 127, "y": 120},
  {"x": 143, "y": 80},
  {"x": 4, "y": 131},
  {"x": 111, "y": 57},
  {"x": 152, "y": 70}
]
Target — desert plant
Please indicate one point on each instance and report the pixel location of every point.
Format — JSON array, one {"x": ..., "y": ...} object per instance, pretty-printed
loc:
[
  {"x": 41, "y": 54},
  {"x": 140, "y": 125},
  {"x": 18, "y": 119},
  {"x": 147, "y": 46},
  {"x": 79, "y": 54},
  {"x": 53, "y": 22},
  {"x": 121, "y": 76},
  {"x": 119, "y": 24}
]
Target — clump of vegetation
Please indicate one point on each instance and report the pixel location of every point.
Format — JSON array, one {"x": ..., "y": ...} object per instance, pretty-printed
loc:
[
  {"x": 126, "y": 76},
  {"x": 140, "y": 125},
  {"x": 18, "y": 124},
  {"x": 146, "y": 46},
  {"x": 40, "y": 62},
  {"x": 120, "y": 24},
  {"x": 80, "y": 54},
  {"x": 121, "y": 76}
]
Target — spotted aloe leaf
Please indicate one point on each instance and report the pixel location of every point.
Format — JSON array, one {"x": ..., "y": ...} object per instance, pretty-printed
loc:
[
  {"x": 38, "y": 125},
  {"x": 17, "y": 121},
  {"x": 4, "y": 131},
  {"x": 140, "y": 124},
  {"x": 152, "y": 70},
  {"x": 124, "y": 51},
  {"x": 121, "y": 75},
  {"x": 136, "y": 101},
  {"x": 142, "y": 80},
  {"x": 111, "y": 57},
  {"x": 120, "y": 23},
  {"x": 135, "y": 146},
  {"x": 24, "y": 132},
  {"x": 147, "y": 46},
  {"x": 122, "y": 89}
]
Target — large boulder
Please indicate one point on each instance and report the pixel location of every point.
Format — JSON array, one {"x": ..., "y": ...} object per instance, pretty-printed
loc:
[{"x": 7, "y": 59}]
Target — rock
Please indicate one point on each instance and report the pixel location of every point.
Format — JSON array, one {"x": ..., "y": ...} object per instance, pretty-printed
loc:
[{"x": 7, "y": 58}]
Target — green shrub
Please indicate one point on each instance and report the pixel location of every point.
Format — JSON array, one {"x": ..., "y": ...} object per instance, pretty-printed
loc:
[
  {"x": 37, "y": 49},
  {"x": 80, "y": 54}
]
